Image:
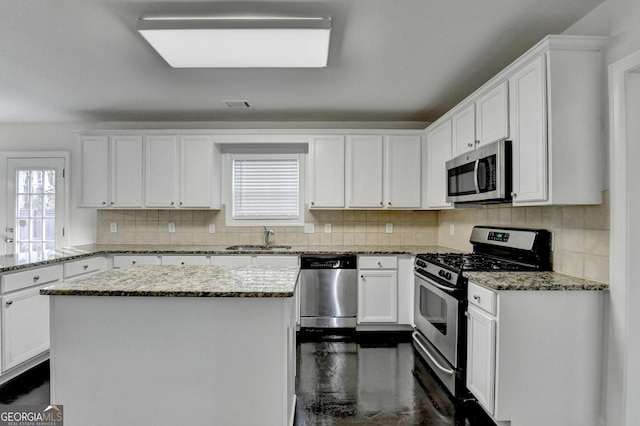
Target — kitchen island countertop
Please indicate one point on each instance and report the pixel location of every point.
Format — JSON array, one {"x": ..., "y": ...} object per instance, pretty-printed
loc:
[{"x": 184, "y": 281}]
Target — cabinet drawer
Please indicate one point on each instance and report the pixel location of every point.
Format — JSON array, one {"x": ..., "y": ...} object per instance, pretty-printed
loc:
[
  {"x": 84, "y": 266},
  {"x": 125, "y": 261},
  {"x": 31, "y": 277},
  {"x": 377, "y": 262},
  {"x": 481, "y": 297},
  {"x": 185, "y": 260}
]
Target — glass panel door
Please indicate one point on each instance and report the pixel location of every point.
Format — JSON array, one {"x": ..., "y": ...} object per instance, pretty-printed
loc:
[{"x": 35, "y": 209}]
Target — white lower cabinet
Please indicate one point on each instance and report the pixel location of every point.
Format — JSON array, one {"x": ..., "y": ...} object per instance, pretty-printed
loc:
[
  {"x": 377, "y": 289},
  {"x": 25, "y": 326},
  {"x": 481, "y": 355},
  {"x": 534, "y": 357},
  {"x": 126, "y": 260},
  {"x": 84, "y": 268},
  {"x": 25, "y": 318},
  {"x": 185, "y": 260}
]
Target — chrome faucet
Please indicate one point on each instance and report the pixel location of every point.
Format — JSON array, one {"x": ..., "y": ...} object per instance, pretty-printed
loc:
[{"x": 267, "y": 234}]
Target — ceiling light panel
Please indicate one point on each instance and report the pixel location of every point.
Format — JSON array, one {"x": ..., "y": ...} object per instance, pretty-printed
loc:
[{"x": 239, "y": 43}]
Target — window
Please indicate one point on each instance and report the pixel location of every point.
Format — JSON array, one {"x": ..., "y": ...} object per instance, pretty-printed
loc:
[{"x": 265, "y": 188}]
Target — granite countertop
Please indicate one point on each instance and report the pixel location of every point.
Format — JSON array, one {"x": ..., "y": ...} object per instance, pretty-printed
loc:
[
  {"x": 533, "y": 281},
  {"x": 12, "y": 263},
  {"x": 184, "y": 281}
]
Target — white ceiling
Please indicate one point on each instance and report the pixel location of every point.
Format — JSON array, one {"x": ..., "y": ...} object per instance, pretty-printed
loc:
[{"x": 390, "y": 60}]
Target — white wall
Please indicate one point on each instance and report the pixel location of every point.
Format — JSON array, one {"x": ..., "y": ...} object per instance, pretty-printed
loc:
[
  {"x": 618, "y": 19},
  {"x": 49, "y": 137}
]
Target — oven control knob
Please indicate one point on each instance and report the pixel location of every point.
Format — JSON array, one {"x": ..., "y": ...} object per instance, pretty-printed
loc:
[{"x": 444, "y": 274}]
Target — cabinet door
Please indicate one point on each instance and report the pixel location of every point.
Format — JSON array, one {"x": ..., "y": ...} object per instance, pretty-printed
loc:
[
  {"x": 126, "y": 172},
  {"x": 464, "y": 130},
  {"x": 161, "y": 171},
  {"x": 481, "y": 357},
  {"x": 403, "y": 171},
  {"x": 438, "y": 153},
  {"x": 327, "y": 172},
  {"x": 196, "y": 172},
  {"x": 529, "y": 132},
  {"x": 94, "y": 177},
  {"x": 25, "y": 326},
  {"x": 492, "y": 115},
  {"x": 365, "y": 171},
  {"x": 378, "y": 296}
]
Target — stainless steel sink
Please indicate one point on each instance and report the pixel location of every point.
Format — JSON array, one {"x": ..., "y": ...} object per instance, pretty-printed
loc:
[{"x": 257, "y": 248}]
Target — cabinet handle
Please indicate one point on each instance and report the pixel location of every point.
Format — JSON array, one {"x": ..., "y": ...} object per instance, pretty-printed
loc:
[
  {"x": 36, "y": 278},
  {"x": 112, "y": 203},
  {"x": 477, "y": 142},
  {"x": 172, "y": 203},
  {"x": 133, "y": 262},
  {"x": 104, "y": 203},
  {"x": 389, "y": 202},
  {"x": 182, "y": 263},
  {"x": 362, "y": 276},
  {"x": 9, "y": 303},
  {"x": 476, "y": 297},
  {"x": 514, "y": 195},
  {"x": 381, "y": 203},
  {"x": 85, "y": 267},
  {"x": 180, "y": 202},
  {"x": 470, "y": 145},
  {"x": 313, "y": 203},
  {"x": 380, "y": 264}
]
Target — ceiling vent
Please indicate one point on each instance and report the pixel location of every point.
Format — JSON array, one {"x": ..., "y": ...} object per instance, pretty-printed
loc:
[{"x": 237, "y": 104}]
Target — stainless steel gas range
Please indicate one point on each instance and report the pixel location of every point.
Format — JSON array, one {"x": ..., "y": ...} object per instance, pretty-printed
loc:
[{"x": 440, "y": 293}]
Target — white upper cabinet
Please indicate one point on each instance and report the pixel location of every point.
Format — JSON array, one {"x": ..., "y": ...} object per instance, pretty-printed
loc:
[
  {"x": 529, "y": 125},
  {"x": 483, "y": 121},
  {"x": 365, "y": 171},
  {"x": 464, "y": 130},
  {"x": 179, "y": 172},
  {"x": 126, "y": 172},
  {"x": 94, "y": 183},
  {"x": 437, "y": 153},
  {"x": 384, "y": 171},
  {"x": 492, "y": 115},
  {"x": 326, "y": 171},
  {"x": 556, "y": 129},
  {"x": 403, "y": 171},
  {"x": 161, "y": 171},
  {"x": 199, "y": 173}
]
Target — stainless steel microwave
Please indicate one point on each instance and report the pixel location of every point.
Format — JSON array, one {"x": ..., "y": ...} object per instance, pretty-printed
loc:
[{"x": 481, "y": 176}]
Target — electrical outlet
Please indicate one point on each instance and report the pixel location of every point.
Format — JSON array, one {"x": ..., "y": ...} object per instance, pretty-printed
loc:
[
  {"x": 212, "y": 228},
  {"x": 309, "y": 228},
  {"x": 172, "y": 227},
  {"x": 114, "y": 227},
  {"x": 389, "y": 228},
  {"x": 452, "y": 229},
  {"x": 327, "y": 228}
]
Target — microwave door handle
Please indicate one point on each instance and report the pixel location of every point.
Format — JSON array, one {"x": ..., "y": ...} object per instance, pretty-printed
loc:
[{"x": 476, "y": 170}]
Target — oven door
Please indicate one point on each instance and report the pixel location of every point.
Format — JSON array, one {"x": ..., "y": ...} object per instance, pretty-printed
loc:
[{"x": 436, "y": 317}]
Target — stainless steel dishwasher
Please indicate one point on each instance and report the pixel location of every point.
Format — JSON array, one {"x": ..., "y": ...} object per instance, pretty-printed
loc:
[{"x": 328, "y": 291}]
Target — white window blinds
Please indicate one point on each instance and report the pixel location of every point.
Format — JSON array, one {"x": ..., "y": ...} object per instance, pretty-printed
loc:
[{"x": 266, "y": 188}]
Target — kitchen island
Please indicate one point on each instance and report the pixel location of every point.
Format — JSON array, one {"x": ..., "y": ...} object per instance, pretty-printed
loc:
[{"x": 167, "y": 345}]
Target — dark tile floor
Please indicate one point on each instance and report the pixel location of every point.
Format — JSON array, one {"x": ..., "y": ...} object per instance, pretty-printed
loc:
[
  {"x": 365, "y": 383},
  {"x": 339, "y": 383}
]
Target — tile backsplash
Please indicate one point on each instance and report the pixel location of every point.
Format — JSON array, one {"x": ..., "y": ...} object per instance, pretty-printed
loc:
[{"x": 581, "y": 233}]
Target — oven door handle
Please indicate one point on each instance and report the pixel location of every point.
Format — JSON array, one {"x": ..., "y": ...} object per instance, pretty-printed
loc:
[
  {"x": 435, "y": 284},
  {"x": 445, "y": 370},
  {"x": 476, "y": 169}
]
